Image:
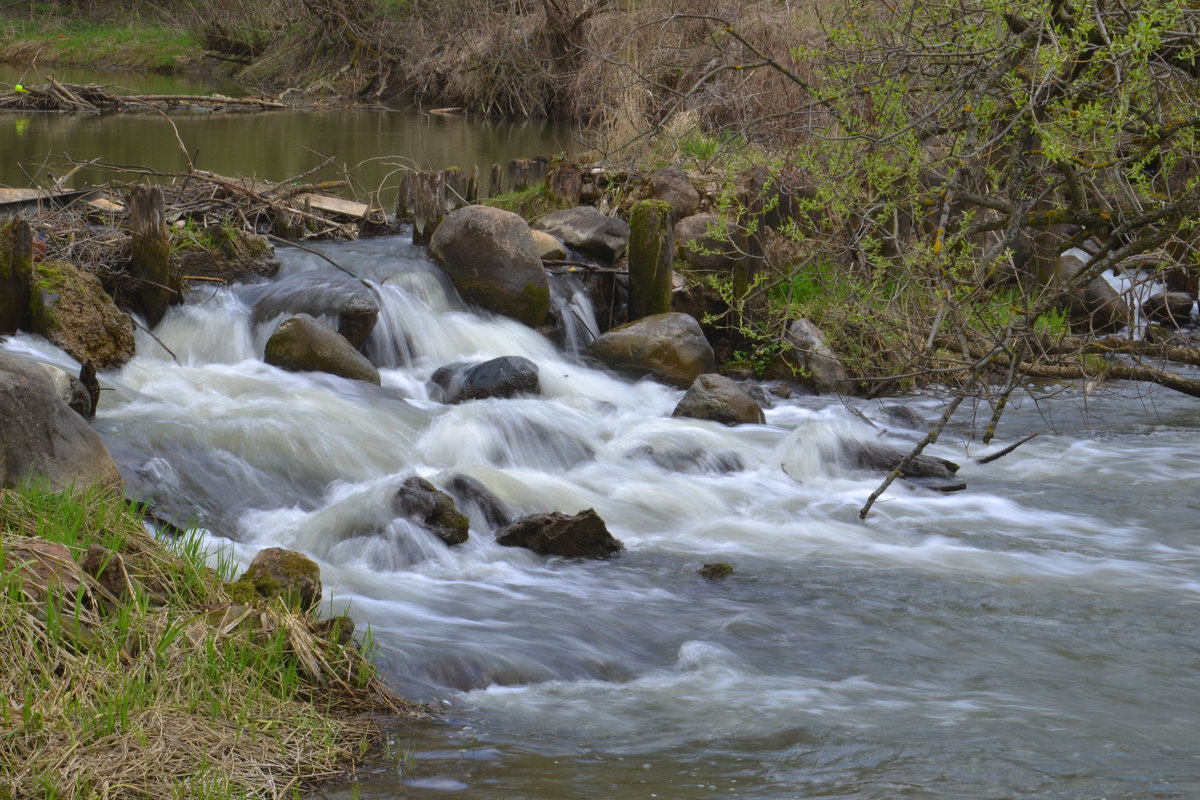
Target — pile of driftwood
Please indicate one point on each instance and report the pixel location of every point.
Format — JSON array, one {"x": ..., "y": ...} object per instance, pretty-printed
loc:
[
  {"x": 197, "y": 209},
  {"x": 95, "y": 99}
]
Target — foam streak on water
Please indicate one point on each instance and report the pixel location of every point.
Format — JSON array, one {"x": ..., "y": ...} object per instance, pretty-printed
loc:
[{"x": 1033, "y": 636}]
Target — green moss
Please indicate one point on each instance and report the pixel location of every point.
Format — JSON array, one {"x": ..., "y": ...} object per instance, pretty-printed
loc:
[
  {"x": 49, "y": 280},
  {"x": 535, "y": 304}
]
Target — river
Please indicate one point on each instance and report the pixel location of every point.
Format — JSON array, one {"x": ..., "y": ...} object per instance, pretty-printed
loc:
[{"x": 1034, "y": 636}]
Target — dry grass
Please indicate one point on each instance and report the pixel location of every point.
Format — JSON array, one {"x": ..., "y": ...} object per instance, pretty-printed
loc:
[{"x": 169, "y": 690}]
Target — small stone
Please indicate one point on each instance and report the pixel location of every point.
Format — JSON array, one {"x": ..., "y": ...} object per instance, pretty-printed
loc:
[{"x": 716, "y": 571}]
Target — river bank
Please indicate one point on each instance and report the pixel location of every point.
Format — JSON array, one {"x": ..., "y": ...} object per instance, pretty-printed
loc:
[{"x": 130, "y": 671}]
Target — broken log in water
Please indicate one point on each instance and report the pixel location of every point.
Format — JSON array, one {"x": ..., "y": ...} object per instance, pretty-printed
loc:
[{"x": 59, "y": 97}]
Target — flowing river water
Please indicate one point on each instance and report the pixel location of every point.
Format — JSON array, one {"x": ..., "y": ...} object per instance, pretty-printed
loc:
[{"x": 1034, "y": 636}]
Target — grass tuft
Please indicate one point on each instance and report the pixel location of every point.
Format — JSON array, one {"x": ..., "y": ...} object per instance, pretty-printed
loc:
[{"x": 156, "y": 685}]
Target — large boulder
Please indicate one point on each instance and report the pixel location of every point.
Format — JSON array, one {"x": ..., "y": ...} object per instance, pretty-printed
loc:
[
  {"x": 809, "y": 360},
  {"x": 286, "y": 574},
  {"x": 583, "y": 535},
  {"x": 49, "y": 378},
  {"x": 319, "y": 293},
  {"x": 42, "y": 437},
  {"x": 501, "y": 377},
  {"x": 670, "y": 347},
  {"x": 705, "y": 242},
  {"x": 432, "y": 509},
  {"x": 672, "y": 185},
  {"x": 720, "y": 399},
  {"x": 70, "y": 308},
  {"x": 493, "y": 262},
  {"x": 303, "y": 344},
  {"x": 588, "y": 230}
]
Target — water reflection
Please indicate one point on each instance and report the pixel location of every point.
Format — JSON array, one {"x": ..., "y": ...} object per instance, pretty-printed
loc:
[{"x": 369, "y": 147}]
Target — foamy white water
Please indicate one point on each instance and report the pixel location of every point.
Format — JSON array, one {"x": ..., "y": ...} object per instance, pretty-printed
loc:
[{"x": 1033, "y": 636}]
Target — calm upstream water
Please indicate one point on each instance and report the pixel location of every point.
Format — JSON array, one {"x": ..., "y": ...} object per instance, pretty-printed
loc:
[
  {"x": 1035, "y": 636},
  {"x": 369, "y": 148}
]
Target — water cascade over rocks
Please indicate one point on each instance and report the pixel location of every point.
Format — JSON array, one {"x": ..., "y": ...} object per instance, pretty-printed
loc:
[{"x": 1032, "y": 636}]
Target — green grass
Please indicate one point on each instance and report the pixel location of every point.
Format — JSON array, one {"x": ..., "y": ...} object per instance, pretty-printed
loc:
[
  {"x": 137, "y": 44},
  {"x": 167, "y": 689}
]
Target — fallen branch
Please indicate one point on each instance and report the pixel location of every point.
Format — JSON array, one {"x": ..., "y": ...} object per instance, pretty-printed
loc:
[{"x": 1002, "y": 453}]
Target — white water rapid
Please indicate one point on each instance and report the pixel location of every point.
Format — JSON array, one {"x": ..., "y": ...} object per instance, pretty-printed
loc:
[{"x": 1034, "y": 636}]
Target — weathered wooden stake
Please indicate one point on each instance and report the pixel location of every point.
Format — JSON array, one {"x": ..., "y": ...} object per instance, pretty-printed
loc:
[
  {"x": 564, "y": 179},
  {"x": 518, "y": 173},
  {"x": 496, "y": 181},
  {"x": 651, "y": 255},
  {"x": 16, "y": 274},
  {"x": 429, "y": 204},
  {"x": 150, "y": 252}
]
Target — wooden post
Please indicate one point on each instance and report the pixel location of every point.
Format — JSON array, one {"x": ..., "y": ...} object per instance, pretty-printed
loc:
[
  {"x": 518, "y": 174},
  {"x": 16, "y": 274},
  {"x": 564, "y": 180},
  {"x": 473, "y": 186},
  {"x": 496, "y": 181},
  {"x": 404, "y": 197},
  {"x": 429, "y": 204},
  {"x": 150, "y": 252},
  {"x": 651, "y": 256}
]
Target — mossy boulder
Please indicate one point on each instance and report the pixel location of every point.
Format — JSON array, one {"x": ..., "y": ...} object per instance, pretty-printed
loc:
[
  {"x": 719, "y": 399},
  {"x": 432, "y": 509},
  {"x": 276, "y": 572},
  {"x": 303, "y": 344},
  {"x": 669, "y": 347},
  {"x": 492, "y": 260},
  {"x": 70, "y": 308}
]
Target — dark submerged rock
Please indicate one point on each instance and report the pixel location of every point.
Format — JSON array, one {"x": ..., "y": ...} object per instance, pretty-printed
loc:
[
  {"x": 493, "y": 262},
  {"x": 319, "y": 294},
  {"x": 588, "y": 230},
  {"x": 882, "y": 458},
  {"x": 670, "y": 347},
  {"x": 433, "y": 509},
  {"x": 583, "y": 535},
  {"x": 303, "y": 344},
  {"x": 720, "y": 399},
  {"x": 470, "y": 492},
  {"x": 716, "y": 571},
  {"x": 506, "y": 376}
]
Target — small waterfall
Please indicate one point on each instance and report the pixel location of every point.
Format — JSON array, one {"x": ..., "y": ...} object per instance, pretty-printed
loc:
[{"x": 571, "y": 306}]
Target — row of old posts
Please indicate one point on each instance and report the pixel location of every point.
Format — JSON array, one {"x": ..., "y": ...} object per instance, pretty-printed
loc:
[
  {"x": 149, "y": 262},
  {"x": 427, "y": 196}
]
